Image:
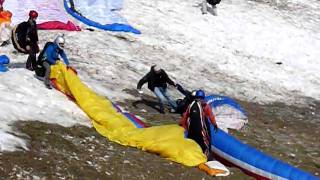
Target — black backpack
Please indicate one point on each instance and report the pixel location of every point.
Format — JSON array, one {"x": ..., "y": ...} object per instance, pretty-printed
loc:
[
  {"x": 40, "y": 70},
  {"x": 198, "y": 122},
  {"x": 195, "y": 110}
]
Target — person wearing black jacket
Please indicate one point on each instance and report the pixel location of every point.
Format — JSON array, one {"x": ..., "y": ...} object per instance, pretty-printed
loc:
[
  {"x": 182, "y": 104},
  {"x": 157, "y": 80},
  {"x": 25, "y": 39}
]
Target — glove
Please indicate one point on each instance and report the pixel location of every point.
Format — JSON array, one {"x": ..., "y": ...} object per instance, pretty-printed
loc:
[{"x": 140, "y": 91}]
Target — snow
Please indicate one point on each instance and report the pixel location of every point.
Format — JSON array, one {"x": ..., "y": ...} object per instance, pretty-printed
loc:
[
  {"x": 23, "y": 98},
  {"x": 233, "y": 54}
]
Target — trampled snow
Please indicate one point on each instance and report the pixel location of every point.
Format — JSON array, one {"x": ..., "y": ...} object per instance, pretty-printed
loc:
[{"x": 261, "y": 52}]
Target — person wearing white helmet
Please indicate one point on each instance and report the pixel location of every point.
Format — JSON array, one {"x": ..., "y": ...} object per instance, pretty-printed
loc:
[
  {"x": 157, "y": 80},
  {"x": 50, "y": 55}
]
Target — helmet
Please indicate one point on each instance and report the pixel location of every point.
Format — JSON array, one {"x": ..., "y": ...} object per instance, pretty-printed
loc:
[
  {"x": 193, "y": 93},
  {"x": 33, "y": 14},
  {"x": 60, "y": 41},
  {"x": 200, "y": 94}
]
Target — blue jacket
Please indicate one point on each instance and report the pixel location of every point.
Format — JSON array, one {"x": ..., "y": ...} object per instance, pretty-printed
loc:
[{"x": 52, "y": 53}]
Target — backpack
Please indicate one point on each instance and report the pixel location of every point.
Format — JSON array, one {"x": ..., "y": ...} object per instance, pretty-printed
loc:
[
  {"x": 40, "y": 70},
  {"x": 197, "y": 117},
  {"x": 198, "y": 126},
  {"x": 196, "y": 110}
]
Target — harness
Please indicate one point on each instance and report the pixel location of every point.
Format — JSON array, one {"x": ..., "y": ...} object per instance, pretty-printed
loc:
[{"x": 197, "y": 118}]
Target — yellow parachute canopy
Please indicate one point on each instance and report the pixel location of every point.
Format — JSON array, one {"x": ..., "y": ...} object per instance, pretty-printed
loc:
[{"x": 168, "y": 140}]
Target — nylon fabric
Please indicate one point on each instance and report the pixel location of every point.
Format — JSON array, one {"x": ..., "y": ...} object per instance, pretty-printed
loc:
[
  {"x": 102, "y": 14},
  {"x": 5, "y": 17},
  {"x": 168, "y": 140},
  {"x": 51, "y": 13}
]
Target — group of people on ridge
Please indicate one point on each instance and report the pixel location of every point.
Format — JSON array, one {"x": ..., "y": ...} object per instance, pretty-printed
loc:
[
  {"x": 196, "y": 113},
  {"x": 25, "y": 40}
]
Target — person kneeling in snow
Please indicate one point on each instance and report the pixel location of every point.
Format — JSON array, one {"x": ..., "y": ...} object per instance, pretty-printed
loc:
[
  {"x": 196, "y": 121},
  {"x": 157, "y": 80},
  {"x": 49, "y": 55}
]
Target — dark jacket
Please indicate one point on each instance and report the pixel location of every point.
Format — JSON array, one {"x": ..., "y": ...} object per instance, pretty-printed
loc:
[
  {"x": 25, "y": 34},
  {"x": 155, "y": 80},
  {"x": 182, "y": 104}
]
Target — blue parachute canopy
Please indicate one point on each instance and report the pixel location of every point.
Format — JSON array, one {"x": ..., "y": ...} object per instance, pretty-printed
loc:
[{"x": 102, "y": 14}]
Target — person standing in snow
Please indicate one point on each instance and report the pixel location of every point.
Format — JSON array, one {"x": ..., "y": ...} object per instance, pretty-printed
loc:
[
  {"x": 157, "y": 80},
  {"x": 212, "y": 10},
  {"x": 196, "y": 121},
  {"x": 25, "y": 39},
  {"x": 49, "y": 56}
]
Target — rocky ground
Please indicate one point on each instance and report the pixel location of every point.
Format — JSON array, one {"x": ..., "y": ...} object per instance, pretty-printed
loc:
[{"x": 289, "y": 133}]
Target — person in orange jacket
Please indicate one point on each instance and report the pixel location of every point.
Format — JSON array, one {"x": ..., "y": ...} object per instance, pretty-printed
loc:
[
  {"x": 5, "y": 21},
  {"x": 196, "y": 121}
]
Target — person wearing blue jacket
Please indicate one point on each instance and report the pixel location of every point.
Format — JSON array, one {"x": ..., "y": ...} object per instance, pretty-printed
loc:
[{"x": 51, "y": 53}]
